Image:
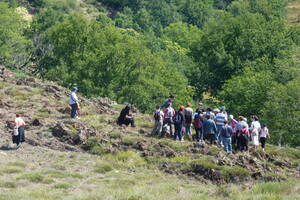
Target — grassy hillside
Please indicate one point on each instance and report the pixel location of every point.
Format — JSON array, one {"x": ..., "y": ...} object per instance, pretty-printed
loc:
[
  {"x": 294, "y": 12},
  {"x": 93, "y": 158}
]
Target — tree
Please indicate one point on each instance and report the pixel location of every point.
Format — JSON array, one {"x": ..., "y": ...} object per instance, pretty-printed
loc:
[
  {"x": 282, "y": 113},
  {"x": 14, "y": 46},
  {"x": 231, "y": 43},
  {"x": 246, "y": 94}
]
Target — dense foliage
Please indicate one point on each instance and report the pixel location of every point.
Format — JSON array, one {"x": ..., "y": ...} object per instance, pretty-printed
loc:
[{"x": 139, "y": 51}]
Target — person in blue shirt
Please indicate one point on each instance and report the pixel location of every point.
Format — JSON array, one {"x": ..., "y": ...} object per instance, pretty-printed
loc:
[{"x": 226, "y": 134}]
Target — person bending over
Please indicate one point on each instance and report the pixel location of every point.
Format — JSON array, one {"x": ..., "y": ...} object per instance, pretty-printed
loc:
[{"x": 125, "y": 117}]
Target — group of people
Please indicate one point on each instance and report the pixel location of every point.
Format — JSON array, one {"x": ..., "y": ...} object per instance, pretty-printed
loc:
[{"x": 214, "y": 126}]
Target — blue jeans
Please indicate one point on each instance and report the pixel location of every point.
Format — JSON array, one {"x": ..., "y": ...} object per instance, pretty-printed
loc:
[
  {"x": 199, "y": 134},
  {"x": 188, "y": 130},
  {"x": 178, "y": 132},
  {"x": 74, "y": 110},
  {"x": 218, "y": 134},
  {"x": 227, "y": 144}
]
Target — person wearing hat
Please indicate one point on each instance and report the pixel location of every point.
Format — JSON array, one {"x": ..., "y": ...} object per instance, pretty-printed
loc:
[
  {"x": 168, "y": 102},
  {"x": 74, "y": 103},
  {"x": 179, "y": 122},
  {"x": 188, "y": 115},
  {"x": 255, "y": 129}
]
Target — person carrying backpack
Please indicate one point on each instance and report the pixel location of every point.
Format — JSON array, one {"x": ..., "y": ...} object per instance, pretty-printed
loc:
[
  {"x": 264, "y": 134},
  {"x": 198, "y": 125},
  {"x": 188, "y": 115},
  {"x": 158, "y": 117},
  {"x": 226, "y": 134},
  {"x": 74, "y": 103},
  {"x": 179, "y": 122},
  {"x": 169, "y": 114},
  {"x": 243, "y": 134}
]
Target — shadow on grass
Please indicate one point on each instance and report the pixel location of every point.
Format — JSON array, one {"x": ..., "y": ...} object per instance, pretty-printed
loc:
[{"x": 7, "y": 148}]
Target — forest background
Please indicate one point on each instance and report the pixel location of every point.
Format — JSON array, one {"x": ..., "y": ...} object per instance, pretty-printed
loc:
[{"x": 244, "y": 54}]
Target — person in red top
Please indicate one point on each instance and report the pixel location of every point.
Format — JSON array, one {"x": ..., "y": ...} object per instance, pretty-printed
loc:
[{"x": 20, "y": 124}]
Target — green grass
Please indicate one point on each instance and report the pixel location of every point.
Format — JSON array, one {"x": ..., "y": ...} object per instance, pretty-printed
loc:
[
  {"x": 115, "y": 135},
  {"x": 62, "y": 185},
  {"x": 35, "y": 178},
  {"x": 175, "y": 145},
  {"x": 126, "y": 159},
  {"x": 130, "y": 140},
  {"x": 8, "y": 184},
  {"x": 234, "y": 171},
  {"x": 11, "y": 170},
  {"x": 103, "y": 168}
]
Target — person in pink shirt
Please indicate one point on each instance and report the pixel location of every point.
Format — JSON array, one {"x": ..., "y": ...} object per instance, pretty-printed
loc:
[
  {"x": 20, "y": 125},
  {"x": 263, "y": 134}
]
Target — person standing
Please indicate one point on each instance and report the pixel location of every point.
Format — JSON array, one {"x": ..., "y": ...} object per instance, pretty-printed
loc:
[
  {"x": 210, "y": 113},
  {"x": 233, "y": 123},
  {"x": 74, "y": 103},
  {"x": 168, "y": 102},
  {"x": 209, "y": 128},
  {"x": 198, "y": 125},
  {"x": 158, "y": 117},
  {"x": 169, "y": 114},
  {"x": 179, "y": 122},
  {"x": 255, "y": 129},
  {"x": 220, "y": 122},
  {"x": 20, "y": 125},
  {"x": 188, "y": 114},
  {"x": 226, "y": 134},
  {"x": 264, "y": 134}
]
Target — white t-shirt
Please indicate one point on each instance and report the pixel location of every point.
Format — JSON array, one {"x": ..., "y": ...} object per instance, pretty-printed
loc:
[
  {"x": 73, "y": 98},
  {"x": 255, "y": 126}
]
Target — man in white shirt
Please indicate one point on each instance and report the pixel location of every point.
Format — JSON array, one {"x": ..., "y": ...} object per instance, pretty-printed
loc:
[{"x": 74, "y": 103}]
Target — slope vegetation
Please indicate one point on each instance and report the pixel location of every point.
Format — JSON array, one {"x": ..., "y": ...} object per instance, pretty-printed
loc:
[{"x": 93, "y": 158}]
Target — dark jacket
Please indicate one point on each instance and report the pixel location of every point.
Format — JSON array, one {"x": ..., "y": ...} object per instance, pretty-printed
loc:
[
  {"x": 209, "y": 126},
  {"x": 182, "y": 119},
  {"x": 226, "y": 131},
  {"x": 123, "y": 114}
]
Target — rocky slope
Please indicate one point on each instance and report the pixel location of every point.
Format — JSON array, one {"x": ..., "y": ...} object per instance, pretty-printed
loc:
[{"x": 44, "y": 106}]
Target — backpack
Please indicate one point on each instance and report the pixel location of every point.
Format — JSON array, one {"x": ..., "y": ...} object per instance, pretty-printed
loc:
[
  {"x": 157, "y": 116},
  {"x": 188, "y": 117},
  {"x": 178, "y": 118},
  {"x": 244, "y": 131},
  {"x": 197, "y": 121}
]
